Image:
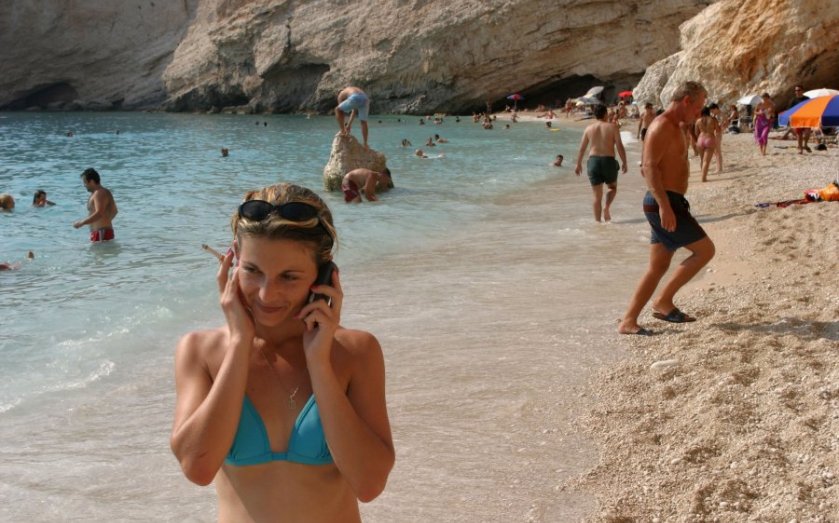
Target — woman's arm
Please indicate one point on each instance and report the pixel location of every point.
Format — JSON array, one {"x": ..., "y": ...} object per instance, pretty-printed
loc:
[
  {"x": 207, "y": 411},
  {"x": 354, "y": 415},
  {"x": 355, "y": 420}
]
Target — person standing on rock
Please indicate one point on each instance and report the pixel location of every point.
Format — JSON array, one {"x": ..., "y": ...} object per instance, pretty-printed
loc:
[
  {"x": 666, "y": 172},
  {"x": 604, "y": 138},
  {"x": 353, "y": 101}
]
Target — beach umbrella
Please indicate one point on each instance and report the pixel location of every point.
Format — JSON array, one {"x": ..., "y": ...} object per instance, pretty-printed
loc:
[
  {"x": 749, "y": 99},
  {"x": 515, "y": 97},
  {"x": 815, "y": 93},
  {"x": 815, "y": 112},
  {"x": 625, "y": 94}
]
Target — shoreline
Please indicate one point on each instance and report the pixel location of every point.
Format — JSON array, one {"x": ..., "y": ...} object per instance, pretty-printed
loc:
[{"x": 735, "y": 415}]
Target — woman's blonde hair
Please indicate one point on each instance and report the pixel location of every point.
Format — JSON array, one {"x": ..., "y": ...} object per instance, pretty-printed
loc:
[{"x": 319, "y": 232}]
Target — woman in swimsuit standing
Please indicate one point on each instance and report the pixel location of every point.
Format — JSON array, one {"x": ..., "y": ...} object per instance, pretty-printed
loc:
[
  {"x": 764, "y": 113},
  {"x": 282, "y": 407},
  {"x": 706, "y": 128}
]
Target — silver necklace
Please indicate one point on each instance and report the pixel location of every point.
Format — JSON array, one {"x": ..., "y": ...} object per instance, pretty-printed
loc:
[{"x": 292, "y": 403}]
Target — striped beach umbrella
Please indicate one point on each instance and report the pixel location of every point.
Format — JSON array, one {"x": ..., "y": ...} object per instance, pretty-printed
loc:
[{"x": 815, "y": 112}]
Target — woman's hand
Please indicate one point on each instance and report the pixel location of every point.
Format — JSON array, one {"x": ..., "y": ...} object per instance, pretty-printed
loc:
[
  {"x": 239, "y": 320},
  {"x": 322, "y": 320}
]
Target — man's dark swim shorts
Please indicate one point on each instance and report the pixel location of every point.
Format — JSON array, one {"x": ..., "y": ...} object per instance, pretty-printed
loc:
[
  {"x": 687, "y": 229},
  {"x": 602, "y": 169}
]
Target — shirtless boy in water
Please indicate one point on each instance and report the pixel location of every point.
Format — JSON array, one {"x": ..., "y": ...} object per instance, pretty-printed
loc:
[
  {"x": 101, "y": 206},
  {"x": 666, "y": 172},
  {"x": 358, "y": 179}
]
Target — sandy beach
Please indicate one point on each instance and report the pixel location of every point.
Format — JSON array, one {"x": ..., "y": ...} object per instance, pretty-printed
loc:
[{"x": 734, "y": 417}]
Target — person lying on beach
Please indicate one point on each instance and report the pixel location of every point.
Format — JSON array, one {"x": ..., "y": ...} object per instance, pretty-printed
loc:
[
  {"x": 281, "y": 407},
  {"x": 666, "y": 172},
  {"x": 370, "y": 181}
]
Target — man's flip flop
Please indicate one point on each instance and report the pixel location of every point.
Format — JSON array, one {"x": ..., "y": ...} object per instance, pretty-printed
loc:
[{"x": 674, "y": 316}]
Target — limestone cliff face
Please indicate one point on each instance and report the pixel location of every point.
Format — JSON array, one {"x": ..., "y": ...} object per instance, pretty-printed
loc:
[
  {"x": 290, "y": 55},
  {"x": 415, "y": 55},
  {"x": 88, "y": 54},
  {"x": 736, "y": 48}
]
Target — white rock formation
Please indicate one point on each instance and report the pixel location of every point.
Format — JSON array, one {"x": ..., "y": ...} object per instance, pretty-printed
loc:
[
  {"x": 348, "y": 154},
  {"x": 736, "y": 48}
]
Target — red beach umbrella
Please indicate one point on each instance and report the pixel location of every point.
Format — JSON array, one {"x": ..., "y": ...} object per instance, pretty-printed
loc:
[{"x": 625, "y": 94}]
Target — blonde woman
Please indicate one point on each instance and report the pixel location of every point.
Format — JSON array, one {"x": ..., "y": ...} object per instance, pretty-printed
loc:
[{"x": 282, "y": 407}]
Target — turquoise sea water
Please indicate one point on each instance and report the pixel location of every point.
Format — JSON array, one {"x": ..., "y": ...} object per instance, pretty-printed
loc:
[{"x": 88, "y": 331}]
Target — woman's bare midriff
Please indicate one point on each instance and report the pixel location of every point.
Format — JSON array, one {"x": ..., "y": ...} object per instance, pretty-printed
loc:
[{"x": 287, "y": 492}]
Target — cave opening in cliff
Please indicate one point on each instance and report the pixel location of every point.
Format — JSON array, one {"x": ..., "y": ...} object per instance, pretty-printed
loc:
[
  {"x": 553, "y": 92},
  {"x": 44, "y": 96}
]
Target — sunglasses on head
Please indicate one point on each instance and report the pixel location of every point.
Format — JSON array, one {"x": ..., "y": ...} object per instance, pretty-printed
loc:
[{"x": 258, "y": 210}]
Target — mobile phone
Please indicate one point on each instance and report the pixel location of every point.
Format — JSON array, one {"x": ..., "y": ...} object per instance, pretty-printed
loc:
[{"x": 324, "y": 278}]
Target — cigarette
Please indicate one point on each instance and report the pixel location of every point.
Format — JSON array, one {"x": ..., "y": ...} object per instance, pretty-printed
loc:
[{"x": 212, "y": 251}]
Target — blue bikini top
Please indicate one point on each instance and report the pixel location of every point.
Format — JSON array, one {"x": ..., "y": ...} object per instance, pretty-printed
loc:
[{"x": 306, "y": 444}]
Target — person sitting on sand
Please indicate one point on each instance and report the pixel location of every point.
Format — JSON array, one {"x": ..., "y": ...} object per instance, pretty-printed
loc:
[
  {"x": 282, "y": 408},
  {"x": 40, "y": 199},
  {"x": 371, "y": 181},
  {"x": 7, "y": 202}
]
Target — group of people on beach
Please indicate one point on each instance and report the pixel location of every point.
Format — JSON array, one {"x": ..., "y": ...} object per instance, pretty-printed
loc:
[{"x": 665, "y": 139}]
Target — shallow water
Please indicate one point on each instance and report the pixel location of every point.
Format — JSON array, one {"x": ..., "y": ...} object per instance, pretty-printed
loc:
[{"x": 482, "y": 274}]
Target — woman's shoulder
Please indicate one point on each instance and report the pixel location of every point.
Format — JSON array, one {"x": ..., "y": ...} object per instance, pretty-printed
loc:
[
  {"x": 202, "y": 343},
  {"x": 357, "y": 341}
]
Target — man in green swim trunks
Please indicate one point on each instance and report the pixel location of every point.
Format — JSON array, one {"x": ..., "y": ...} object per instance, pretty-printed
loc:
[{"x": 604, "y": 138}]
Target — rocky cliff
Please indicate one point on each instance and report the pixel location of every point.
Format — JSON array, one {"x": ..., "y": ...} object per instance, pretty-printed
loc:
[
  {"x": 88, "y": 54},
  {"x": 290, "y": 55},
  {"x": 737, "y": 48}
]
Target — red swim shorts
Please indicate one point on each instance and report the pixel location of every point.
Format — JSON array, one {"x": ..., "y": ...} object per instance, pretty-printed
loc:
[
  {"x": 102, "y": 235},
  {"x": 350, "y": 191}
]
